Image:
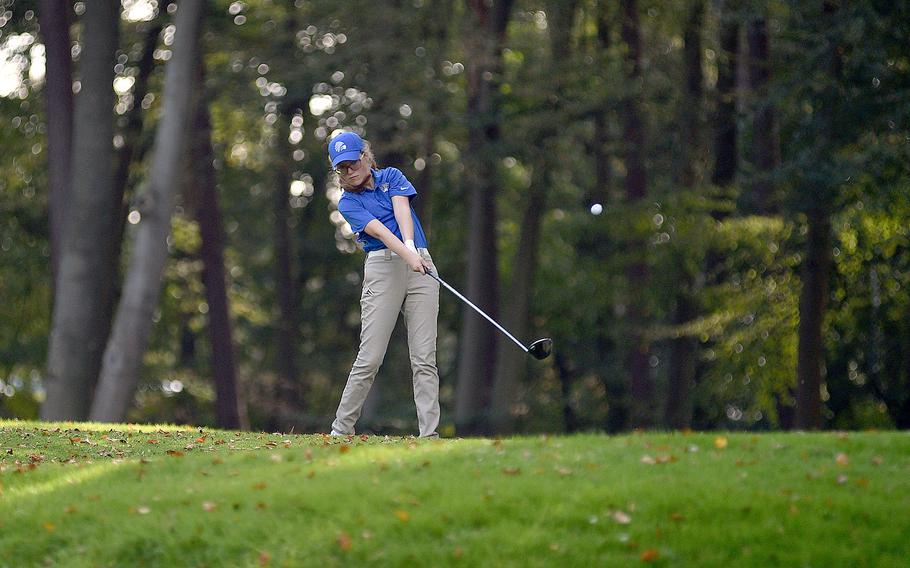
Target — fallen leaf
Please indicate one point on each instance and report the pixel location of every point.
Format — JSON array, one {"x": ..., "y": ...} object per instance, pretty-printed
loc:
[
  {"x": 50, "y": 527},
  {"x": 511, "y": 470},
  {"x": 877, "y": 460},
  {"x": 648, "y": 459},
  {"x": 152, "y": 441},
  {"x": 264, "y": 559},
  {"x": 677, "y": 517},
  {"x": 650, "y": 555},
  {"x": 209, "y": 506},
  {"x": 563, "y": 471},
  {"x": 842, "y": 459},
  {"x": 344, "y": 541},
  {"x": 175, "y": 453},
  {"x": 621, "y": 518},
  {"x": 841, "y": 479},
  {"x": 402, "y": 516},
  {"x": 143, "y": 510},
  {"x": 344, "y": 448},
  {"x": 720, "y": 442}
]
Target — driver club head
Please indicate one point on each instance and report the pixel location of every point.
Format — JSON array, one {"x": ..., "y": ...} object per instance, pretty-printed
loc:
[{"x": 541, "y": 348}]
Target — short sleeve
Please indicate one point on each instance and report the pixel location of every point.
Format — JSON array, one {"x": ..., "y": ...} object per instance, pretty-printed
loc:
[
  {"x": 355, "y": 214},
  {"x": 399, "y": 185}
]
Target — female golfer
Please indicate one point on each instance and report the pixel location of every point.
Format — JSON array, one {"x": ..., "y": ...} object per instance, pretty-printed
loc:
[{"x": 377, "y": 204}]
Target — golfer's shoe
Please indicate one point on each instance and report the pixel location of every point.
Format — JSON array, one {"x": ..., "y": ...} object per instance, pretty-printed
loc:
[{"x": 337, "y": 433}]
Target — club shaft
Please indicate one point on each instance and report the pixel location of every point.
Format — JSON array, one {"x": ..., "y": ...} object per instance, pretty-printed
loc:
[{"x": 478, "y": 310}]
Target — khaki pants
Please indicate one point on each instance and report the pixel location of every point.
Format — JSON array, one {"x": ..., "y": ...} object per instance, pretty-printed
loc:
[{"x": 390, "y": 287}]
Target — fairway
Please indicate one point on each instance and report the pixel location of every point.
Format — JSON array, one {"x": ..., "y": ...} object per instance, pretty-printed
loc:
[{"x": 103, "y": 495}]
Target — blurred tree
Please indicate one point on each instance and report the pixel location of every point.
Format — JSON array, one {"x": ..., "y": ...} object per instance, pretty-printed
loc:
[
  {"x": 641, "y": 389},
  {"x": 486, "y": 27},
  {"x": 85, "y": 284},
  {"x": 677, "y": 411},
  {"x": 760, "y": 196},
  {"x": 124, "y": 352},
  {"x": 726, "y": 148},
  {"x": 511, "y": 363},
  {"x": 55, "y": 16},
  {"x": 207, "y": 211}
]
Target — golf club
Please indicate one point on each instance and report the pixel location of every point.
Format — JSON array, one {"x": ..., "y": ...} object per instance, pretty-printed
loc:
[{"x": 539, "y": 349}]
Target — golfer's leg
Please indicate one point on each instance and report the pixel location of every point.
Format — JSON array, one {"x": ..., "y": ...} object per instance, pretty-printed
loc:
[
  {"x": 421, "y": 308},
  {"x": 384, "y": 286}
]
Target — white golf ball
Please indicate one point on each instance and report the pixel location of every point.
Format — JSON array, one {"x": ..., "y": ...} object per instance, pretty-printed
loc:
[{"x": 597, "y": 209}]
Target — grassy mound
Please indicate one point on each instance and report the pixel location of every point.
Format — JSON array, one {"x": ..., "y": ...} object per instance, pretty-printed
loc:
[{"x": 126, "y": 495}]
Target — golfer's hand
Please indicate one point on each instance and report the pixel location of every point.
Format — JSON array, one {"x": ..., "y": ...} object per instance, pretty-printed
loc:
[{"x": 416, "y": 263}]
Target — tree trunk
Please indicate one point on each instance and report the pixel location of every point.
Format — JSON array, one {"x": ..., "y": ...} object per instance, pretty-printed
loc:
[
  {"x": 123, "y": 356},
  {"x": 641, "y": 389},
  {"x": 566, "y": 373},
  {"x": 208, "y": 215},
  {"x": 760, "y": 198},
  {"x": 678, "y": 413},
  {"x": 476, "y": 357},
  {"x": 603, "y": 175},
  {"x": 511, "y": 363},
  {"x": 84, "y": 288},
  {"x": 816, "y": 267},
  {"x": 725, "y": 131},
  {"x": 690, "y": 143},
  {"x": 132, "y": 130},
  {"x": 812, "y": 302},
  {"x": 54, "y": 18},
  {"x": 291, "y": 392}
]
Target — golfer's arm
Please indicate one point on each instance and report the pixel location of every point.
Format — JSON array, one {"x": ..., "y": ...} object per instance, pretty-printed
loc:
[
  {"x": 375, "y": 228},
  {"x": 401, "y": 205}
]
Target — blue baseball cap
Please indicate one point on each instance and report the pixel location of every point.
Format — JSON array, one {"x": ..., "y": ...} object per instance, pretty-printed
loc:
[{"x": 345, "y": 147}]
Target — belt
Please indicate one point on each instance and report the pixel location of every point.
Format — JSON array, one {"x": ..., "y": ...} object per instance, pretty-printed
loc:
[{"x": 388, "y": 253}]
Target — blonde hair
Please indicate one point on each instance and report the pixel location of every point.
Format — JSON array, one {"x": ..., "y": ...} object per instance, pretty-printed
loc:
[{"x": 368, "y": 152}]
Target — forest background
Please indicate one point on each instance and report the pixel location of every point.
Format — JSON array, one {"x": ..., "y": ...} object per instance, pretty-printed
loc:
[{"x": 704, "y": 203}]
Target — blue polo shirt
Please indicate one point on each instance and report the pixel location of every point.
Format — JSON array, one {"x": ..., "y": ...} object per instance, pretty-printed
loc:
[{"x": 359, "y": 209}]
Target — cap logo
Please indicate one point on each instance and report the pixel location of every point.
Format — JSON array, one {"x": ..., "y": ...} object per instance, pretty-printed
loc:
[{"x": 339, "y": 146}]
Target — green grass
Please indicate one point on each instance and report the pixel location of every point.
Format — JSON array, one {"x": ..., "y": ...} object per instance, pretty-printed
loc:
[{"x": 102, "y": 495}]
